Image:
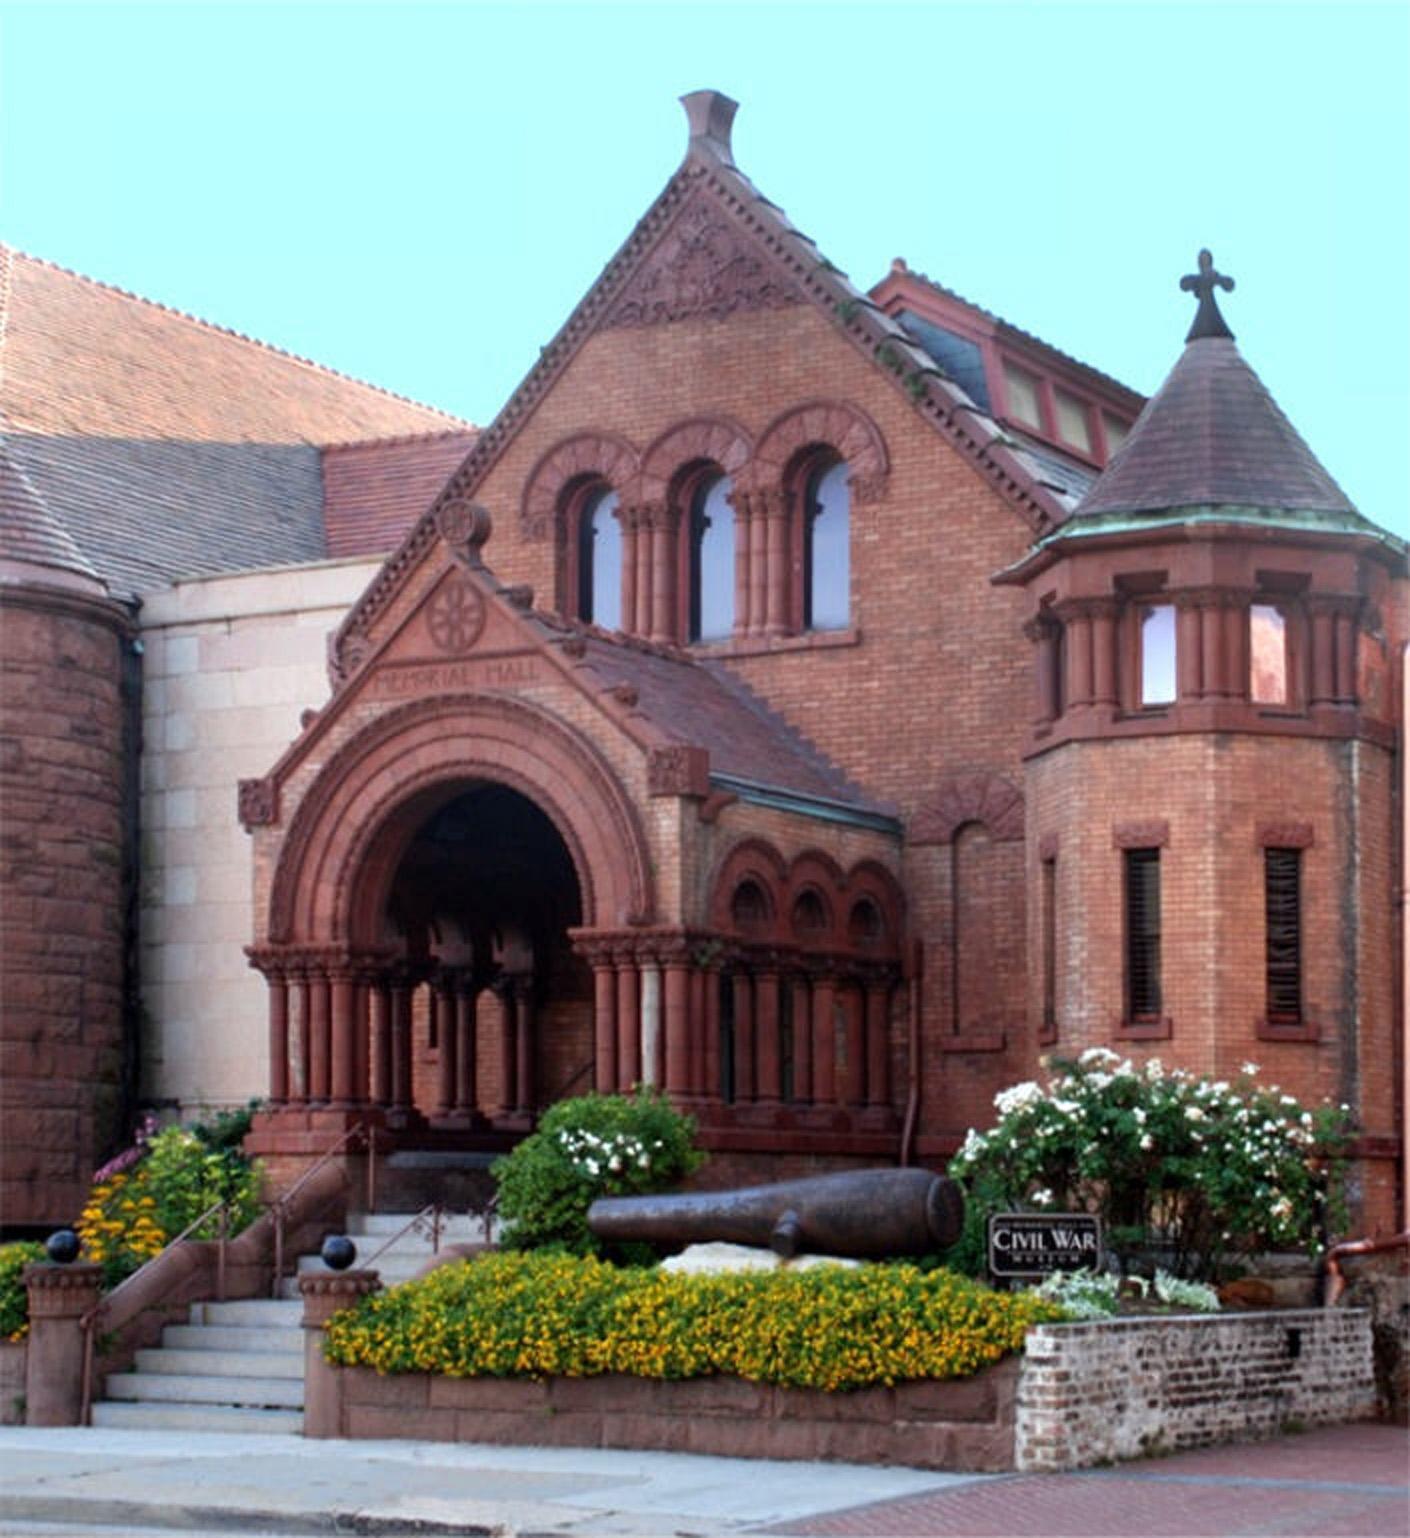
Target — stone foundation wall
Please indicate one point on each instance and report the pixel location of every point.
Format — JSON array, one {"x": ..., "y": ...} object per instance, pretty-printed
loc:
[
  {"x": 1124, "y": 1388},
  {"x": 12, "y": 1367}
]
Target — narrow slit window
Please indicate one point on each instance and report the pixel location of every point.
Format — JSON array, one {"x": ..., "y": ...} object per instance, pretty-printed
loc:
[
  {"x": 1282, "y": 894},
  {"x": 827, "y": 573},
  {"x": 711, "y": 561},
  {"x": 1157, "y": 654},
  {"x": 1049, "y": 901},
  {"x": 1268, "y": 655},
  {"x": 1143, "y": 1002}
]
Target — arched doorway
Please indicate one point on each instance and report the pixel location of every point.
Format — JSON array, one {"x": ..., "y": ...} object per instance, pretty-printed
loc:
[{"x": 475, "y": 921}]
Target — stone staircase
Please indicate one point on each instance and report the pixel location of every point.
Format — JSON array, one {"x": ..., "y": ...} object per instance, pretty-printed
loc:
[{"x": 239, "y": 1366}]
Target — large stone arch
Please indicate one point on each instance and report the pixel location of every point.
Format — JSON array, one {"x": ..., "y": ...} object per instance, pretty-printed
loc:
[{"x": 344, "y": 842}]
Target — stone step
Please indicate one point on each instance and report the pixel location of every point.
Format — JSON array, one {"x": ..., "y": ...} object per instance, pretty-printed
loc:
[
  {"x": 150, "y": 1416},
  {"x": 268, "y": 1313},
  {"x": 208, "y": 1388},
  {"x": 385, "y": 1224},
  {"x": 233, "y": 1337},
  {"x": 208, "y": 1360}
]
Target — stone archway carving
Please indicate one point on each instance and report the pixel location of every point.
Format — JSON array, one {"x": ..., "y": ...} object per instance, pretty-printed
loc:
[
  {"x": 584, "y": 454},
  {"x": 840, "y": 426},
  {"x": 723, "y": 442},
  {"x": 982, "y": 797},
  {"x": 339, "y": 854}
]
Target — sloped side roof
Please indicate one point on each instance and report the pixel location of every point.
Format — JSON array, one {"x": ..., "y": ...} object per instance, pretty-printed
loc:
[
  {"x": 374, "y": 492},
  {"x": 693, "y": 700},
  {"x": 1212, "y": 435},
  {"x": 166, "y": 446}
]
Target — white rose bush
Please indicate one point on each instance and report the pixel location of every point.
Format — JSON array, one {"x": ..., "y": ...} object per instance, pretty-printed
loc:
[
  {"x": 590, "y": 1146},
  {"x": 1204, "y": 1171}
]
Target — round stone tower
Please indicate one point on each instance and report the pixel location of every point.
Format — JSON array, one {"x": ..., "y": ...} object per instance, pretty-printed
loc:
[
  {"x": 1212, "y": 827},
  {"x": 66, "y": 799}
]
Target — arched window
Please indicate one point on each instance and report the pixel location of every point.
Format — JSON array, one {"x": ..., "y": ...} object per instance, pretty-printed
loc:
[
  {"x": 710, "y": 570},
  {"x": 599, "y": 558},
  {"x": 826, "y": 563}
]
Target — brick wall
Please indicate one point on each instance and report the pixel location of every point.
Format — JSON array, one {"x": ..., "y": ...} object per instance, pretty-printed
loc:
[{"x": 1115, "y": 1389}]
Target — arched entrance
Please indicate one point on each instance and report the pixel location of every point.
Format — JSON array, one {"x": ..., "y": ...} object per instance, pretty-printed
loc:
[{"x": 421, "y": 972}]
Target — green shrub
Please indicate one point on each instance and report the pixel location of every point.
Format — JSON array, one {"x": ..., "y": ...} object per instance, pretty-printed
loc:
[
  {"x": 1202, "y": 1171},
  {"x": 14, "y": 1300},
  {"x": 132, "y": 1214},
  {"x": 595, "y": 1145},
  {"x": 554, "y": 1314}
]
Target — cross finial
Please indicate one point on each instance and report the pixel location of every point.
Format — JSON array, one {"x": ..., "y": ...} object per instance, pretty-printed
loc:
[{"x": 1208, "y": 320}]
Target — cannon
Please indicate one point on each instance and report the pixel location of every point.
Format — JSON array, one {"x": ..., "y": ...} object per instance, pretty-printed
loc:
[{"x": 861, "y": 1213}]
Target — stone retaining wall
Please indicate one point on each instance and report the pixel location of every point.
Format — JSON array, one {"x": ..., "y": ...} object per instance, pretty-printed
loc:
[
  {"x": 12, "y": 1368},
  {"x": 1123, "y": 1388}
]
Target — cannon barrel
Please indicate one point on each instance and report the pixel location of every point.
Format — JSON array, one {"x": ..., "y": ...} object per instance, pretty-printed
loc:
[{"x": 861, "y": 1213}]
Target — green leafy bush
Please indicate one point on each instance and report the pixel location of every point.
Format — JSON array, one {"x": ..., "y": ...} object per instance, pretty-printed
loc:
[
  {"x": 595, "y": 1145},
  {"x": 574, "y": 1316},
  {"x": 1202, "y": 1171},
  {"x": 14, "y": 1300},
  {"x": 131, "y": 1214}
]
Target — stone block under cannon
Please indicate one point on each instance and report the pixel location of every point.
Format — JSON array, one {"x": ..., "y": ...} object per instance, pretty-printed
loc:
[{"x": 866, "y": 1214}]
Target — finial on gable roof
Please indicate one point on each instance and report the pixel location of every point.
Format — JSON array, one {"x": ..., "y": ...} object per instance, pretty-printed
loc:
[
  {"x": 710, "y": 114},
  {"x": 1208, "y": 321}
]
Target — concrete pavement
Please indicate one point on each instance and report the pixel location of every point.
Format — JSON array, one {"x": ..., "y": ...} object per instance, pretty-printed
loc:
[{"x": 1345, "y": 1480}]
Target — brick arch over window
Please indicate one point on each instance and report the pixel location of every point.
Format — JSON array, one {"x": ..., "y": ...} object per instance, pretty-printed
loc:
[
  {"x": 713, "y": 439},
  {"x": 603, "y": 456},
  {"x": 984, "y": 798},
  {"x": 868, "y": 881},
  {"x": 751, "y": 860},
  {"x": 835, "y": 425},
  {"x": 344, "y": 843}
]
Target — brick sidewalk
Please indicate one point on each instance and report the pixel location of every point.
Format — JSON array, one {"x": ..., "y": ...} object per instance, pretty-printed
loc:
[{"x": 1336, "y": 1482}]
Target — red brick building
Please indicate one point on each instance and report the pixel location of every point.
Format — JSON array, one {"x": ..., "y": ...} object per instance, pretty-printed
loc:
[{"x": 821, "y": 703}]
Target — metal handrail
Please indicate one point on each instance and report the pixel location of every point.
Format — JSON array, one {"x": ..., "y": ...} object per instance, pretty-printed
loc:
[
  {"x": 1336, "y": 1277},
  {"x": 437, "y": 1211},
  {"x": 88, "y": 1323},
  {"x": 280, "y": 1205}
]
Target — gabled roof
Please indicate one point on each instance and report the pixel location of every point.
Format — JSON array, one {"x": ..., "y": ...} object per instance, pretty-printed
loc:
[
  {"x": 166, "y": 446},
  {"x": 709, "y": 171}
]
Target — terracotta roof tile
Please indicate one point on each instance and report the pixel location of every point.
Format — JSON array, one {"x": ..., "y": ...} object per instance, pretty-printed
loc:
[
  {"x": 374, "y": 492},
  {"x": 169, "y": 447}
]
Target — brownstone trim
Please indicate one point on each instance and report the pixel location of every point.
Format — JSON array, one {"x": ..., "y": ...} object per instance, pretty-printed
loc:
[
  {"x": 982, "y": 797},
  {"x": 1288, "y": 1030},
  {"x": 975, "y": 1041},
  {"x": 601, "y": 456},
  {"x": 837, "y": 425},
  {"x": 1154, "y": 834},
  {"x": 716, "y": 440},
  {"x": 1145, "y": 1030},
  {"x": 1285, "y": 835}
]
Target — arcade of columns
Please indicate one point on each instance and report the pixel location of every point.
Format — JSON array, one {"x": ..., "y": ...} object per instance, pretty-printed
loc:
[
  {"x": 763, "y": 566},
  {"x": 340, "y": 1028}
]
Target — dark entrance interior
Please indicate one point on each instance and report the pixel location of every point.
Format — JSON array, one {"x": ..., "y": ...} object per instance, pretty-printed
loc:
[{"x": 501, "y": 1009}]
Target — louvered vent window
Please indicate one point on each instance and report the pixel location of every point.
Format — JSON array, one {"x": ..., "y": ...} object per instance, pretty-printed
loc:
[
  {"x": 1282, "y": 888},
  {"x": 1143, "y": 934}
]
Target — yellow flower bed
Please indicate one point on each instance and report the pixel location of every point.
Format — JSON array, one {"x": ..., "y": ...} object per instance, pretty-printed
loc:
[{"x": 541, "y": 1315}]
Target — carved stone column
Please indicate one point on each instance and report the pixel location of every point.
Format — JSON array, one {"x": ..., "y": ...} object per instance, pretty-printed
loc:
[
  {"x": 278, "y": 986},
  {"x": 1103, "y": 618},
  {"x": 343, "y": 1050},
  {"x": 1189, "y": 668},
  {"x": 448, "y": 1059},
  {"x": 824, "y": 1041},
  {"x": 697, "y": 1032},
  {"x": 651, "y": 1024},
  {"x": 627, "y": 517},
  {"x": 802, "y": 1041},
  {"x": 768, "y": 1085},
  {"x": 776, "y": 518},
  {"x": 743, "y": 506},
  {"x": 628, "y": 1022},
  {"x": 853, "y": 1084},
  {"x": 319, "y": 1030},
  {"x": 663, "y": 575},
  {"x": 676, "y": 992},
  {"x": 401, "y": 991},
  {"x": 1077, "y": 621},
  {"x": 362, "y": 1035},
  {"x": 878, "y": 995},
  {"x": 745, "y": 1086},
  {"x": 1324, "y": 674},
  {"x": 604, "y": 1023},
  {"x": 301, "y": 1065},
  {"x": 380, "y": 1028}
]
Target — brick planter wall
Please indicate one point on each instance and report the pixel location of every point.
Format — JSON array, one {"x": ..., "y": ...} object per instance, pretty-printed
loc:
[
  {"x": 12, "y": 1367},
  {"x": 1123, "y": 1388}
]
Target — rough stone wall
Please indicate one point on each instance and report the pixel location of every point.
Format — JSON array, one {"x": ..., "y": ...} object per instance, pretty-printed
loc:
[
  {"x": 62, "y": 899},
  {"x": 1115, "y": 1389}
]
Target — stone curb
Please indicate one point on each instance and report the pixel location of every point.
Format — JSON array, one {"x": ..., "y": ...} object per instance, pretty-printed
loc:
[{"x": 107, "y": 1512}]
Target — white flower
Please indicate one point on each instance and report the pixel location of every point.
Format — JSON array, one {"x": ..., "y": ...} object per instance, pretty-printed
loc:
[
  {"x": 644, "y": 1162},
  {"x": 615, "y": 1164},
  {"x": 1193, "y": 1113},
  {"x": 1098, "y": 1055},
  {"x": 1042, "y": 1197},
  {"x": 1249, "y": 1070},
  {"x": 1139, "y": 1114},
  {"x": 1147, "y": 1142},
  {"x": 1017, "y": 1098}
]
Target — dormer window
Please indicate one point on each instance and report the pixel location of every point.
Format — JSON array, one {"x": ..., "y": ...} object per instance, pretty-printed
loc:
[
  {"x": 1117, "y": 432},
  {"x": 1074, "y": 422},
  {"x": 1022, "y": 389}
]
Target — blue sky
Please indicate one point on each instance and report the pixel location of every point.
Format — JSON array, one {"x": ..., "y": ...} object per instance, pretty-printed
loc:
[{"x": 418, "y": 194}]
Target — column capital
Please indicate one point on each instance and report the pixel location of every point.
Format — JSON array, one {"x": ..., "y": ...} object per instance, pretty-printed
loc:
[
  {"x": 62, "y": 1292},
  {"x": 327, "y": 1293}
]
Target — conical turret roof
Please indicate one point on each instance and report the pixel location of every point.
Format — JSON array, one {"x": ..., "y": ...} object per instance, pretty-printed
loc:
[{"x": 29, "y": 532}]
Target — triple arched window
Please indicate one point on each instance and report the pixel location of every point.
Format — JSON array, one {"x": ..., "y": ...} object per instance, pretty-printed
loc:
[
  {"x": 598, "y": 538},
  {"x": 710, "y": 558}
]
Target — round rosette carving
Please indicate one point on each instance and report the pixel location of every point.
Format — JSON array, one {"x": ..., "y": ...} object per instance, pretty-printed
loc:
[
  {"x": 456, "y": 615},
  {"x": 464, "y": 526}
]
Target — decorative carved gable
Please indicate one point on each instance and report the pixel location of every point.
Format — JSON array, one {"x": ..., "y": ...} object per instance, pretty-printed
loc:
[{"x": 702, "y": 266}]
